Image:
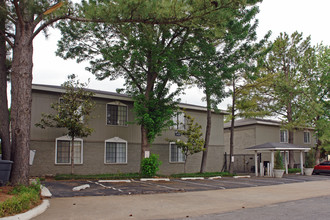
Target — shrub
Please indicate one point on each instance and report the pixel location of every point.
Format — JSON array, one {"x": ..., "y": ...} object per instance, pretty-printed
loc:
[
  {"x": 278, "y": 161},
  {"x": 24, "y": 198},
  {"x": 150, "y": 166},
  {"x": 310, "y": 159}
]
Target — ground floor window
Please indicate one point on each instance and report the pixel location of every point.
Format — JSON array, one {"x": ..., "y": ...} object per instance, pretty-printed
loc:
[
  {"x": 176, "y": 154},
  {"x": 63, "y": 151},
  {"x": 115, "y": 151}
]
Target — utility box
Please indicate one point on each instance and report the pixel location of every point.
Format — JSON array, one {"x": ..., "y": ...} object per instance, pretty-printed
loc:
[{"x": 5, "y": 169}]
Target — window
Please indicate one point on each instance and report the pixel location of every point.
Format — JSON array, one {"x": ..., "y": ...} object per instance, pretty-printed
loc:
[
  {"x": 176, "y": 154},
  {"x": 115, "y": 151},
  {"x": 116, "y": 114},
  {"x": 284, "y": 136},
  {"x": 63, "y": 150},
  {"x": 307, "y": 139},
  {"x": 179, "y": 121}
]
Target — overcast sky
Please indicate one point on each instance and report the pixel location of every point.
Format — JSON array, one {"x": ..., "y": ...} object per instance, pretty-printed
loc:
[{"x": 310, "y": 17}]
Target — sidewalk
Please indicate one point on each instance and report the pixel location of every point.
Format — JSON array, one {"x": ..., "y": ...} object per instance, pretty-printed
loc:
[{"x": 180, "y": 205}]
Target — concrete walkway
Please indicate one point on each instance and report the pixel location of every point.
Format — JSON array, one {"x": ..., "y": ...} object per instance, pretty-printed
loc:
[{"x": 180, "y": 205}]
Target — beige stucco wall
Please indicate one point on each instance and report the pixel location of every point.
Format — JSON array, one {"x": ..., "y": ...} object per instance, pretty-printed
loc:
[{"x": 43, "y": 141}]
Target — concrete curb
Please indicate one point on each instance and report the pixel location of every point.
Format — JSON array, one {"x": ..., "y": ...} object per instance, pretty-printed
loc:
[
  {"x": 31, "y": 213},
  {"x": 192, "y": 178},
  {"x": 215, "y": 177},
  {"x": 154, "y": 179},
  {"x": 114, "y": 181},
  {"x": 45, "y": 192},
  {"x": 78, "y": 188},
  {"x": 236, "y": 177}
]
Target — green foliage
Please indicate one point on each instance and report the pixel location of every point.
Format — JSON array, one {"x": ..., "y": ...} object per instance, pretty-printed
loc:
[
  {"x": 154, "y": 114},
  {"x": 72, "y": 111},
  {"x": 294, "y": 170},
  {"x": 150, "y": 166},
  {"x": 310, "y": 159},
  {"x": 278, "y": 161},
  {"x": 281, "y": 78},
  {"x": 24, "y": 198},
  {"x": 194, "y": 141}
]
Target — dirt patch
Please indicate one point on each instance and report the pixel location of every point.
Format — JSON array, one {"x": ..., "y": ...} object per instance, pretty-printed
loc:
[{"x": 4, "y": 193}]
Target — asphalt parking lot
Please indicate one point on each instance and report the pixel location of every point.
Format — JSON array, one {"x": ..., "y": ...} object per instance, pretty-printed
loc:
[{"x": 96, "y": 188}]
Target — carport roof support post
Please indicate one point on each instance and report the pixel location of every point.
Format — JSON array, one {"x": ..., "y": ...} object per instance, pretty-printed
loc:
[
  {"x": 272, "y": 164},
  {"x": 301, "y": 162},
  {"x": 256, "y": 162}
]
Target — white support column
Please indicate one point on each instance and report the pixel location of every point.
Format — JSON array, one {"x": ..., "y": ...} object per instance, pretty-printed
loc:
[
  {"x": 256, "y": 162},
  {"x": 286, "y": 161},
  {"x": 302, "y": 162},
  {"x": 272, "y": 163}
]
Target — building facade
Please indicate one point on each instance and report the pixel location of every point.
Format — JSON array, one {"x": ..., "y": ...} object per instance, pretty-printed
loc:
[
  {"x": 115, "y": 144},
  {"x": 251, "y": 132}
]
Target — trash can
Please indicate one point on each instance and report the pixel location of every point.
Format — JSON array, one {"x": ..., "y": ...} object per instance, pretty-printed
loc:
[{"x": 5, "y": 168}]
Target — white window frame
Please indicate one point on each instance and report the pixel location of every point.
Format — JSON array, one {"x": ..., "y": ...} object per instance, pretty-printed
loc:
[
  {"x": 309, "y": 137},
  {"x": 170, "y": 153},
  {"x": 179, "y": 125},
  {"x": 286, "y": 138},
  {"x": 114, "y": 140},
  {"x": 118, "y": 104},
  {"x": 67, "y": 138}
]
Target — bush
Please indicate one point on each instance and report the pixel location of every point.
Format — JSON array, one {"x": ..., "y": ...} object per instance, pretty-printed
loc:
[
  {"x": 278, "y": 161},
  {"x": 150, "y": 166},
  {"x": 24, "y": 198},
  {"x": 310, "y": 159}
]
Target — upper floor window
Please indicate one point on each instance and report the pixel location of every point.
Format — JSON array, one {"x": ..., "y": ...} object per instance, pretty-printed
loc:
[
  {"x": 307, "y": 139},
  {"x": 115, "y": 150},
  {"x": 284, "y": 136},
  {"x": 63, "y": 150},
  {"x": 116, "y": 114},
  {"x": 176, "y": 154},
  {"x": 179, "y": 121}
]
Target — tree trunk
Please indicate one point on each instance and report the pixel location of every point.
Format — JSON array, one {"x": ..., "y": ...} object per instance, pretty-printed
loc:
[
  {"x": 4, "y": 113},
  {"x": 21, "y": 94},
  {"x": 207, "y": 135},
  {"x": 231, "y": 144},
  {"x": 72, "y": 155},
  {"x": 144, "y": 141}
]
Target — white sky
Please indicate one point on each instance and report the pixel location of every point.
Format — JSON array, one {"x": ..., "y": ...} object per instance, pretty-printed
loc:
[{"x": 310, "y": 17}]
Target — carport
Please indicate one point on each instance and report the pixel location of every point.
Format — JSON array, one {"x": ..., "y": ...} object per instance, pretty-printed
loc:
[{"x": 272, "y": 147}]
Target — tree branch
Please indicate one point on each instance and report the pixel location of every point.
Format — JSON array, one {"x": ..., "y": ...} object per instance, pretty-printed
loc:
[
  {"x": 18, "y": 12},
  {"x": 7, "y": 39}
]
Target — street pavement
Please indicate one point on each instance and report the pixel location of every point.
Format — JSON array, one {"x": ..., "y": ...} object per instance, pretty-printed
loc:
[{"x": 191, "y": 204}]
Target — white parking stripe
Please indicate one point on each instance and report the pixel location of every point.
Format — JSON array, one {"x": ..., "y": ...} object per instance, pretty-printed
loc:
[{"x": 200, "y": 184}]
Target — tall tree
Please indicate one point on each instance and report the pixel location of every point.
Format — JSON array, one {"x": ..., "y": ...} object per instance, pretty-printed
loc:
[
  {"x": 149, "y": 56},
  {"x": 315, "y": 103},
  {"x": 4, "y": 113},
  {"x": 280, "y": 85},
  {"x": 238, "y": 61},
  {"x": 72, "y": 112},
  {"x": 25, "y": 19}
]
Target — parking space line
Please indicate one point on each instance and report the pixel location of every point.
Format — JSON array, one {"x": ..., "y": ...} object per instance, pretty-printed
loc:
[
  {"x": 266, "y": 181},
  {"x": 294, "y": 180},
  {"x": 107, "y": 187},
  {"x": 247, "y": 184},
  {"x": 154, "y": 184},
  {"x": 200, "y": 184}
]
